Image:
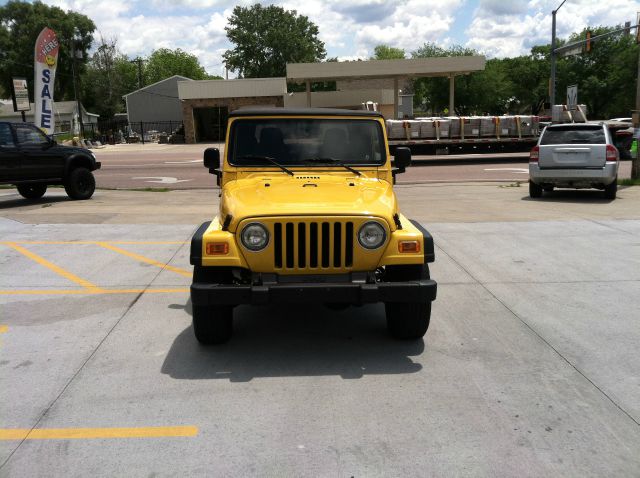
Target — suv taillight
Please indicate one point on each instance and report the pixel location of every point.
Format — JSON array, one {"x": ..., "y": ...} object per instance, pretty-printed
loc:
[
  {"x": 612, "y": 153},
  {"x": 534, "y": 155}
]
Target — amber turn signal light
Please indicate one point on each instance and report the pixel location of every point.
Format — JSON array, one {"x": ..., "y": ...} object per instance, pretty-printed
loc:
[
  {"x": 217, "y": 248},
  {"x": 409, "y": 246}
]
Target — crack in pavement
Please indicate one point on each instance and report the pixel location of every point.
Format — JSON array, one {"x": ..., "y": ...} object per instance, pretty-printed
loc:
[{"x": 528, "y": 326}]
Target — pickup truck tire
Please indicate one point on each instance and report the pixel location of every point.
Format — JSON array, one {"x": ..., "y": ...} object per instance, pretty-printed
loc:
[
  {"x": 32, "y": 191},
  {"x": 407, "y": 320},
  {"x": 535, "y": 190},
  {"x": 80, "y": 184},
  {"x": 611, "y": 190},
  {"x": 213, "y": 324}
]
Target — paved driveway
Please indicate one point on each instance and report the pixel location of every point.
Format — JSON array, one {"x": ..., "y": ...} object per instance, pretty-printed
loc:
[{"x": 529, "y": 368}]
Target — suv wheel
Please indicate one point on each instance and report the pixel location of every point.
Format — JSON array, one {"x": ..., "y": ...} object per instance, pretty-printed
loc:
[
  {"x": 212, "y": 324},
  {"x": 32, "y": 191},
  {"x": 611, "y": 190},
  {"x": 407, "y": 320},
  {"x": 535, "y": 190},
  {"x": 80, "y": 184}
]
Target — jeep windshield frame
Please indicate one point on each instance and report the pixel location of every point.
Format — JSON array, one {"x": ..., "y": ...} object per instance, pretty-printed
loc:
[{"x": 292, "y": 141}]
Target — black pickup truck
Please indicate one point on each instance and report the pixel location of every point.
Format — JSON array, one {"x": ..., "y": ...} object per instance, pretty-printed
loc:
[{"x": 31, "y": 160}]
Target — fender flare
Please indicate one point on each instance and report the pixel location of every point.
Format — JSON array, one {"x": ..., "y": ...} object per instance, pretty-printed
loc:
[
  {"x": 427, "y": 239},
  {"x": 78, "y": 158}
]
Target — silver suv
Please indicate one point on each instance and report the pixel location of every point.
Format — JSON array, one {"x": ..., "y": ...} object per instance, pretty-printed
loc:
[{"x": 574, "y": 155}]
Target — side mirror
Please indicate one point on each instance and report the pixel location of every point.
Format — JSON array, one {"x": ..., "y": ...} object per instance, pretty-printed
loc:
[
  {"x": 402, "y": 158},
  {"x": 212, "y": 159}
]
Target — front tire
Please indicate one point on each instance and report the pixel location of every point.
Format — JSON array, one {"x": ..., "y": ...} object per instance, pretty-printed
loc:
[
  {"x": 611, "y": 190},
  {"x": 32, "y": 191},
  {"x": 80, "y": 184},
  {"x": 213, "y": 324},
  {"x": 407, "y": 320},
  {"x": 535, "y": 190}
]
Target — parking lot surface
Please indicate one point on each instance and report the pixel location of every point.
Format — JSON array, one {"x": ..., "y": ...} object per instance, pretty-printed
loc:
[{"x": 529, "y": 367}]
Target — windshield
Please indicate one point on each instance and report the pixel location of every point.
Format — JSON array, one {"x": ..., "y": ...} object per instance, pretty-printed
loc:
[
  {"x": 306, "y": 141},
  {"x": 574, "y": 135}
]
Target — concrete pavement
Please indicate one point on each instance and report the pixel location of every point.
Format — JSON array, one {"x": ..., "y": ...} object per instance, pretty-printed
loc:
[
  {"x": 529, "y": 367},
  {"x": 440, "y": 202}
]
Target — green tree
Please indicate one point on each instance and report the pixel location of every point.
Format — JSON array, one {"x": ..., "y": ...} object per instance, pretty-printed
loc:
[
  {"x": 20, "y": 25},
  {"x": 433, "y": 93},
  {"x": 163, "y": 63},
  {"x": 385, "y": 52},
  {"x": 529, "y": 81},
  {"x": 267, "y": 38},
  {"x": 606, "y": 76},
  {"x": 109, "y": 76},
  {"x": 429, "y": 50}
]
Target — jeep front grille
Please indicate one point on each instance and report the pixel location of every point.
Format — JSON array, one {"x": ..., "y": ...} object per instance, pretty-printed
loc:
[{"x": 313, "y": 245}]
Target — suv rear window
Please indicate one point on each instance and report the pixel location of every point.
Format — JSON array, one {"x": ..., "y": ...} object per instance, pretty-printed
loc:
[{"x": 573, "y": 135}]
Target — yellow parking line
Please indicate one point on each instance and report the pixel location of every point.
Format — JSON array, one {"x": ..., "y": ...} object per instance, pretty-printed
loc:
[
  {"x": 138, "y": 291},
  {"x": 140, "y": 258},
  {"x": 3, "y": 328},
  {"x": 91, "y": 291},
  {"x": 49, "y": 265},
  {"x": 75, "y": 433},
  {"x": 91, "y": 242}
]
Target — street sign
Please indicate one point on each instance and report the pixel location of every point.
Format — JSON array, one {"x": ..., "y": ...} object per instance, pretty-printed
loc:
[
  {"x": 571, "y": 52},
  {"x": 20, "y": 94},
  {"x": 572, "y": 97}
]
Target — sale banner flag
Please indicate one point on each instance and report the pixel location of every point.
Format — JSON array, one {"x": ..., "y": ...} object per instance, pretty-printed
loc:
[{"x": 45, "y": 63}]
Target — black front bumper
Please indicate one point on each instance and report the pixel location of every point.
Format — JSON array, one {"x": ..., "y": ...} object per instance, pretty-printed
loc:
[{"x": 350, "y": 293}]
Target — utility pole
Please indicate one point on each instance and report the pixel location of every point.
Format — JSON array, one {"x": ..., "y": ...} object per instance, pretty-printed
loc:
[
  {"x": 139, "y": 62},
  {"x": 635, "y": 162},
  {"x": 75, "y": 88},
  {"x": 552, "y": 85}
]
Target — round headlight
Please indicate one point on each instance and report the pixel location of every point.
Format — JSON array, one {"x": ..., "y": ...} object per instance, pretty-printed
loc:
[
  {"x": 255, "y": 236},
  {"x": 371, "y": 235}
]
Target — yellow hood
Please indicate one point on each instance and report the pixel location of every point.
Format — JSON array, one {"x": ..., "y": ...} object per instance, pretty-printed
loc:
[{"x": 307, "y": 194}]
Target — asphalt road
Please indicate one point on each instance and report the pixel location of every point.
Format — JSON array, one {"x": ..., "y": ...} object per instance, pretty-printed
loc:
[
  {"x": 180, "y": 167},
  {"x": 529, "y": 367}
]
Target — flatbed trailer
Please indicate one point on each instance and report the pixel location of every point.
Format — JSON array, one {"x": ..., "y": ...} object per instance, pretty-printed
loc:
[
  {"x": 459, "y": 135},
  {"x": 460, "y": 145}
]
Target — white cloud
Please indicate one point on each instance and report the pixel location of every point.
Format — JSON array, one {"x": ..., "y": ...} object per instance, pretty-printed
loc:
[
  {"x": 351, "y": 29},
  {"x": 504, "y": 33}
]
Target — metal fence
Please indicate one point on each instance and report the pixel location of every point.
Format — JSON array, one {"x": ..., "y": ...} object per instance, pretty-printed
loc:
[{"x": 123, "y": 131}]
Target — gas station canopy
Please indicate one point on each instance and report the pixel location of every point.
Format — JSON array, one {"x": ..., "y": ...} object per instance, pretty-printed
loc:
[
  {"x": 448, "y": 67},
  {"x": 413, "y": 68}
]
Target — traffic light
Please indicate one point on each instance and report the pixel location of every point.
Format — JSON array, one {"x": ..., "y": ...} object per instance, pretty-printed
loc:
[{"x": 588, "y": 47}]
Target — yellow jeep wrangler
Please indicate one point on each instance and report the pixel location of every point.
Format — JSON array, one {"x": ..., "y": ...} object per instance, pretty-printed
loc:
[{"x": 308, "y": 215}]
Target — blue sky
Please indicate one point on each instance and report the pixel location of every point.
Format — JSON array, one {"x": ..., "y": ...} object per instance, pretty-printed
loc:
[{"x": 352, "y": 28}]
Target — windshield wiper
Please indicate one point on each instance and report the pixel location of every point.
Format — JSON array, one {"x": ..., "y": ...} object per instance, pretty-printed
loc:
[
  {"x": 327, "y": 160},
  {"x": 267, "y": 158}
]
